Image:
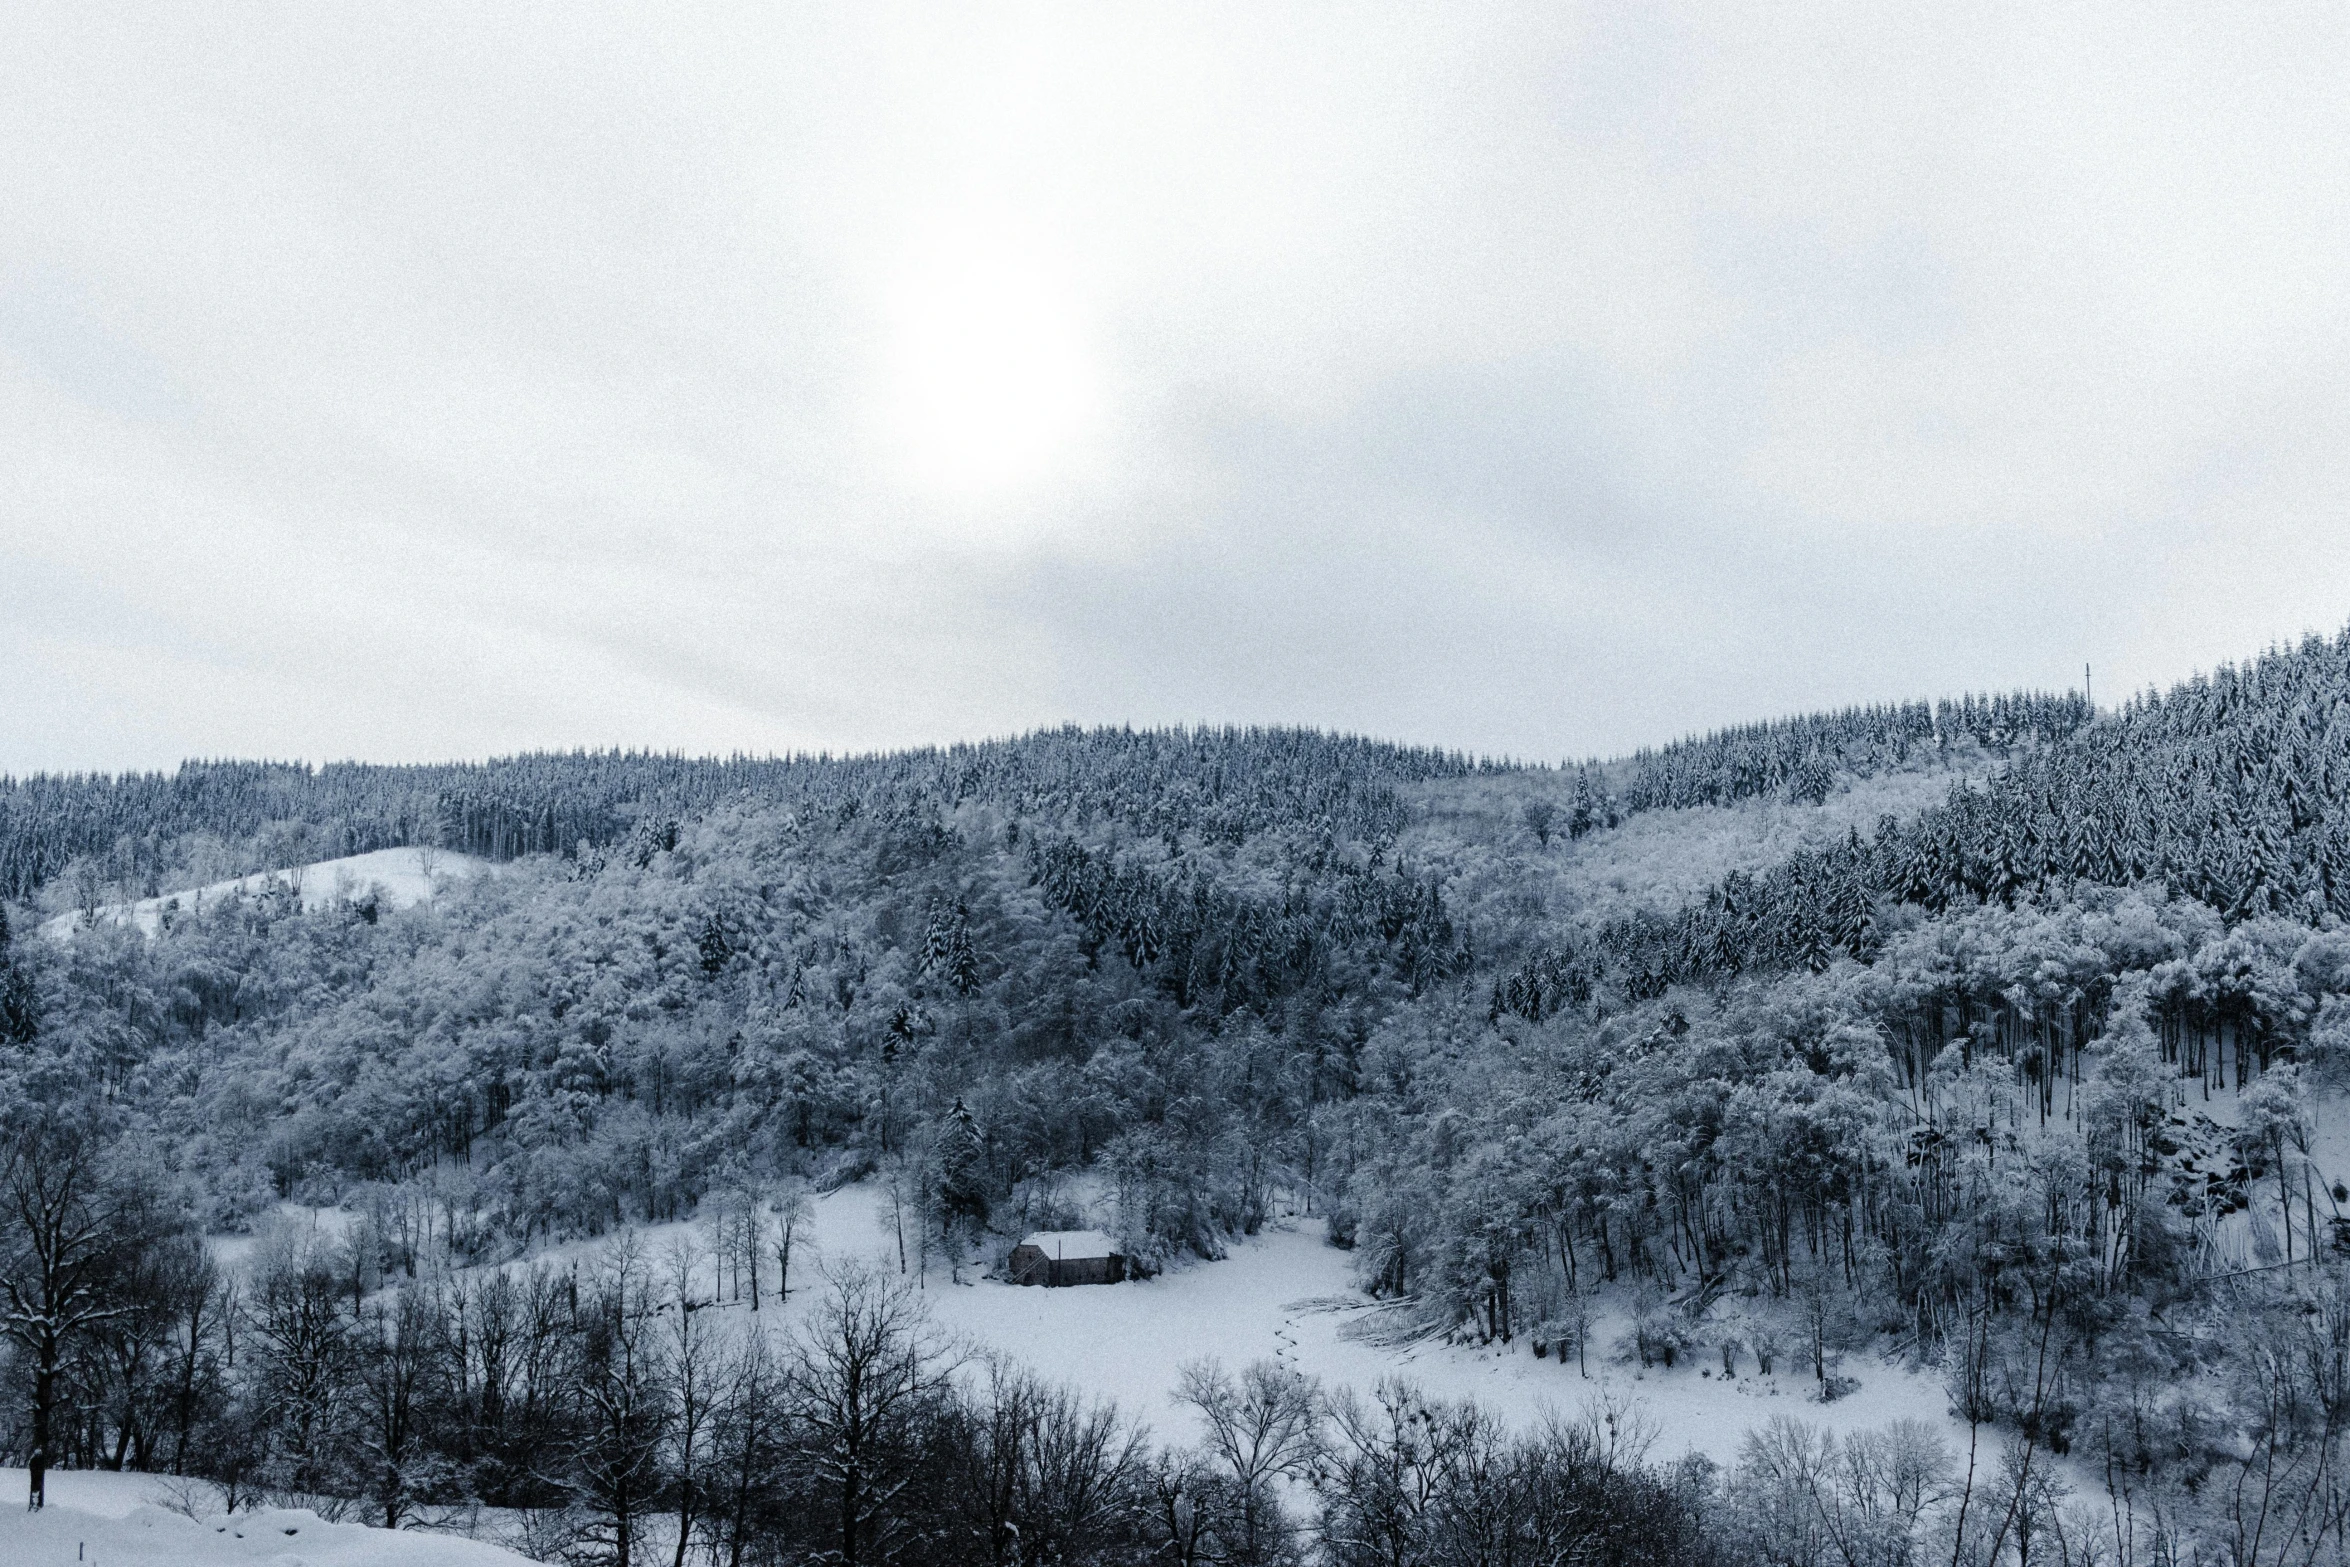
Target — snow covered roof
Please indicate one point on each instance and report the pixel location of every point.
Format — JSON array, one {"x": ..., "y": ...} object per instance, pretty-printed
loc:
[{"x": 1073, "y": 1245}]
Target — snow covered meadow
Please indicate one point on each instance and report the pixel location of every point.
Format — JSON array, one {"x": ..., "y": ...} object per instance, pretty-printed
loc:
[
  {"x": 1284, "y": 1296},
  {"x": 395, "y": 878},
  {"x": 1287, "y": 1296}
]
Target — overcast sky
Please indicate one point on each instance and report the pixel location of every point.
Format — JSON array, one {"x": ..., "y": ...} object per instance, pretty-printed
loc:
[{"x": 397, "y": 384}]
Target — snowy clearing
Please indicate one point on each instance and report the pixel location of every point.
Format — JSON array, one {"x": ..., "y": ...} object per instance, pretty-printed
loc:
[
  {"x": 1288, "y": 1296},
  {"x": 399, "y": 878}
]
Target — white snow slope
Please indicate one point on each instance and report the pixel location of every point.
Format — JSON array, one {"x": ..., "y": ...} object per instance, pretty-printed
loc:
[
  {"x": 126, "y": 1520},
  {"x": 400, "y": 878}
]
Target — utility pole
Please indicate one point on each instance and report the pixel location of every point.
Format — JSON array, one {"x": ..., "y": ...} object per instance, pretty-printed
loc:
[{"x": 2088, "y": 694}]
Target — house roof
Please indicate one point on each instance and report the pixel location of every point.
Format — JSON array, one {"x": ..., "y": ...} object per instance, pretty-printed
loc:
[{"x": 1073, "y": 1245}]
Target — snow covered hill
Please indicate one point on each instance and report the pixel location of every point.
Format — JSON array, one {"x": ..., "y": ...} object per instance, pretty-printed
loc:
[
  {"x": 130, "y": 1520},
  {"x": 399, "y": 878}
]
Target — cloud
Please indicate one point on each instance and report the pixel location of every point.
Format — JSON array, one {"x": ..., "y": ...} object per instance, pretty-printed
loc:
[{"x": 1526, "y": 379}]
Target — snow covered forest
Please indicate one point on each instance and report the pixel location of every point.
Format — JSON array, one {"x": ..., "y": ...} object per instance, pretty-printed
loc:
[{"x": 1999, "y": 1035}]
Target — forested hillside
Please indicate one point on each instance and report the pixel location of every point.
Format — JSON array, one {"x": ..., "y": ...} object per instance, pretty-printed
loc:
[
  {"x": 130, "y": 833},
  {"x": 1923, "y": 1059},
  {"x": 1801, "y": 757}
]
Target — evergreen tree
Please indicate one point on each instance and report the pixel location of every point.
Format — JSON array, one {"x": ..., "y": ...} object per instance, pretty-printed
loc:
[
  {"x": 19, "y": 1007},
  {"x": 1584, "y": 814},
  {"x": 961, "y": 1159},
  {"x": 1813, "y": 780}
]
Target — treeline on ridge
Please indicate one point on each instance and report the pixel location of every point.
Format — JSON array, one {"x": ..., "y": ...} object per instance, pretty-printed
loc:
[
  {"x": 1800, "y": 757},
  {"x": 1220, "y": 784}
]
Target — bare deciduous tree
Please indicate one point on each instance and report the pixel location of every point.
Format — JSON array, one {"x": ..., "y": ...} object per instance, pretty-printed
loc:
[
  {"x": 793, "y": 1212},
  {"x": 1261, "y": 1427},
  {"x": 626, "y": 1410},
  {"x": 61, "y": 1233},
  {"x": 862, "y": 1376}
]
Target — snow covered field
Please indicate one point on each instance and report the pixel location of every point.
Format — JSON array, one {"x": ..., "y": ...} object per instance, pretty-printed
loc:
[
  {"x": 400, "y": 878},
  {"x": 126, "y": 1520},
  {"x": 1284, "y": 1295},
  {"x": 1287, "y": 1296}
]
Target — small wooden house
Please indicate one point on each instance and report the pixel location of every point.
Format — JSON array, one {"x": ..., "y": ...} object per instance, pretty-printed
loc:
[{"x": 1068, "y": 1257}]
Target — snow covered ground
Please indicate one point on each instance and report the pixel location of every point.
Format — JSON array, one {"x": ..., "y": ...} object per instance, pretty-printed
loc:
[
  {"x": 125, "y": 1520},
  {"x": 1285, "y": 1295},
  {"x": 400, "y": 878},
  {"x": 1288, "y": 1296}
]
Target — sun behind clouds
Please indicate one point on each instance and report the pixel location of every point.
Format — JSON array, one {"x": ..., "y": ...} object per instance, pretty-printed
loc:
[{"x": 990, "y": 382}]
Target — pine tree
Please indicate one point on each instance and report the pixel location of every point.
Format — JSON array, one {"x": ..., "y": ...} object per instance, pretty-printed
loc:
[
  {"x": 19, "y": 1012},
  {"x": 713, "y": 946},
  {"x": 962, "y": 1168},
  {"x": 1852, "y": 922},
  {"x": 1583, "y": 815},
  {"x": 1812, "y": 781},
  {"x": 959, "y": 961}
]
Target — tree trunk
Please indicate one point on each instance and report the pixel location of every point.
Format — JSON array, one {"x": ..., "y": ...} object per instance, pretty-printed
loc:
[{"x": 37, "y": 1461}]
